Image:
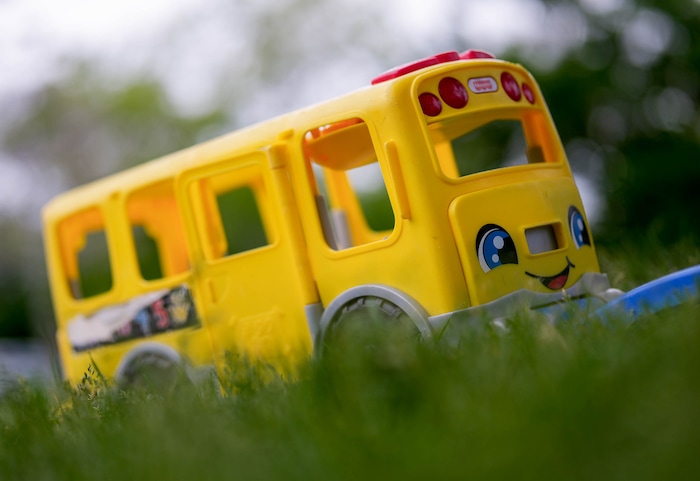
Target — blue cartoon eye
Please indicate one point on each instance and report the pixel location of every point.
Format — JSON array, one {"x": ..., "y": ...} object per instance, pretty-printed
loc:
[
  {"x": 577, "y": 226},
  {"x": 495, "y": 247}
]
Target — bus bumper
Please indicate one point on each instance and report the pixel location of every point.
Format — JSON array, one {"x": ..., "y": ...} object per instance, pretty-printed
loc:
[{"x": 584, "y": 298}]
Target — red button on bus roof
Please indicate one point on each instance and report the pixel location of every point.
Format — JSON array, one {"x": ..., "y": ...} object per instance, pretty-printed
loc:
[
  {"x": 416, "y": 65},
  {"x": 474, "y": 54},
  {"x": 429, "y": 62}
]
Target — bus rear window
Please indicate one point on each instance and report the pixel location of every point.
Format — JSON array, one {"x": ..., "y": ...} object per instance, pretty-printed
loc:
[{"x": 464, "y": 147}]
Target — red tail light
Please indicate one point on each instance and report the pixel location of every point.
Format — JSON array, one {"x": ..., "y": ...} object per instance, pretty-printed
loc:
[
  {"x": 453, "y": 92},
  {"x": 430, "y": 104},
  {"x": 511, "y": 87},
  {"x": 528, "y": 93}
]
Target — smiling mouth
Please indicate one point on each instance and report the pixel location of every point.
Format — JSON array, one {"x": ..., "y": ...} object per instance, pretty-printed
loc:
[{"x": 556, "y": 281}]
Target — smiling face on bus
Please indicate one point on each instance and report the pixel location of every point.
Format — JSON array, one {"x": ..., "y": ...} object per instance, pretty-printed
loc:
[
  {"x": 543, "y": 258},
  {"x": 531, "y": 234}
]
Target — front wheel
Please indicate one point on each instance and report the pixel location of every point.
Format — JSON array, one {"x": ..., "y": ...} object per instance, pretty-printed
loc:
[{"x": 372, "y": 325}]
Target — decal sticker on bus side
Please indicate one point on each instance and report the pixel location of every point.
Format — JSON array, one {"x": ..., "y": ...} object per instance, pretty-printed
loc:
[{"x": 143, "y": 316}]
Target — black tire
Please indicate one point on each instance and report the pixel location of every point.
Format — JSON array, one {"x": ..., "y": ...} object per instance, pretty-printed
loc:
[
  {"x": 153, "y": 372},
  {"x": 371, "y": 324}
]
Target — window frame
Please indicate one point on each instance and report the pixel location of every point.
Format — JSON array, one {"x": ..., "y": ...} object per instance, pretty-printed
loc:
[
  {"x": 174, "y": 258},
  {"x": 534, "y": 125},
  {"x": 369, "y": 238},
  {"x": 201, "y": 202},
  {"x": 74, "y": 241}
]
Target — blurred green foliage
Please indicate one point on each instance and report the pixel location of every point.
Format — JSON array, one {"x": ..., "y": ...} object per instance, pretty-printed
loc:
[
  {"x": 91, "y": 128},
  {"x": 241, "y": 220},
  {"x": 146, "y": 254},
  {"x": 579, "y": 401},
  {"x": 14, "y": 313},
  {"x": 94, "y": 266},
  {"x": 626, "y": 104}
]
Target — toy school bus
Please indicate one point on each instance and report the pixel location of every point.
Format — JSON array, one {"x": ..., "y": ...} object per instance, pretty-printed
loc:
[{"x": 265, "y": 240}]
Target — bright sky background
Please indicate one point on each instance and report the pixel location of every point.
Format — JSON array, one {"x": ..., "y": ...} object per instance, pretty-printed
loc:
[{"x": 35, "y": 35}]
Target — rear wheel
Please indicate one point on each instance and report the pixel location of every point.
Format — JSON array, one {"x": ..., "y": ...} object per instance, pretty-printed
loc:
[{"x": 154, "y": 372}]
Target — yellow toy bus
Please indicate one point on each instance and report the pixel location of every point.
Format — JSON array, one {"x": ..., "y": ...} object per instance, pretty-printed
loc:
[{"x": 439, "y": 193}]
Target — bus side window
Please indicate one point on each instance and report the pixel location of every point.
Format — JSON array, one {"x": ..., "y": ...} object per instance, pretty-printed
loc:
[
  {"x": 349, "y": 187},
  {"x": 232, "y": 212},
  {"x": 84, "y": 252},
  {"x": 241, "y": 219},
  {"x": 157, "y": 231}
]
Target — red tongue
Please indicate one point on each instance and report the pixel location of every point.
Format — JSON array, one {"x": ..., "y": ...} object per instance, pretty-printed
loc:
[{"x": 558, "y": 282}]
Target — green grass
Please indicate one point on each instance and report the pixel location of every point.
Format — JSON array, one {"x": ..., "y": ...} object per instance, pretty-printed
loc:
[{"x": 579, "y": 401}]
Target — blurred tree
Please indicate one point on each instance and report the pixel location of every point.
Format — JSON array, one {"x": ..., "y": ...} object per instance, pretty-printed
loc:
[
  {"x": 91, "y": 128},
  {"x": 15, "y": 297},
  {"x": 626, "y": 104}
]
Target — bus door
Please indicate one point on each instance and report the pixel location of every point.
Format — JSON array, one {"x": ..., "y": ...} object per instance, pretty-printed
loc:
[
  {"x": 352, "y": 221},
  {"x": 252, "y": 285}
]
